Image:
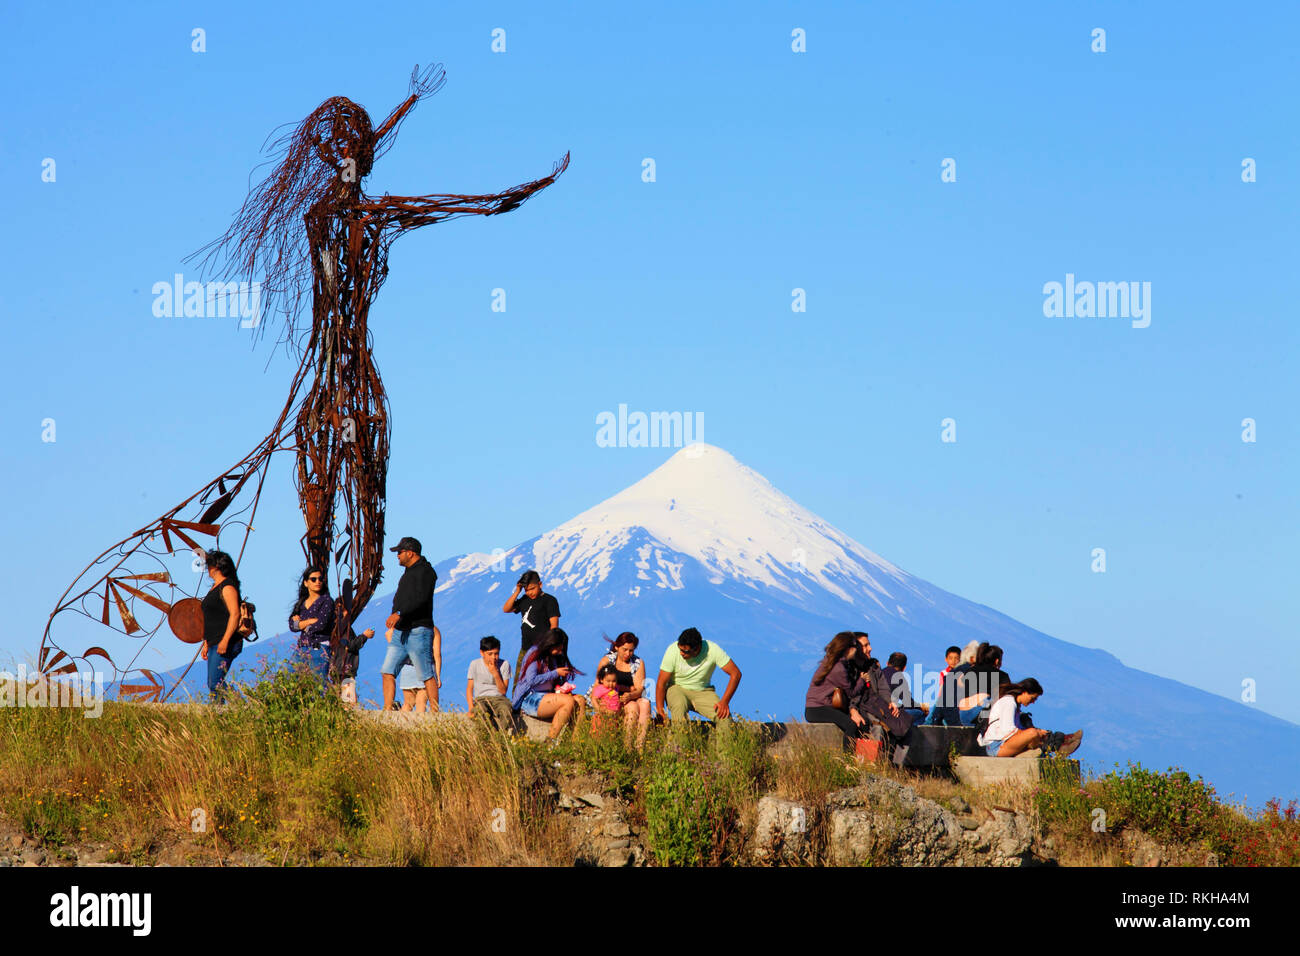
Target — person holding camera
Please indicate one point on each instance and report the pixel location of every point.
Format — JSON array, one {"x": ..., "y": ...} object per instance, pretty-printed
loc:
[{"x": 538, "y": 612}]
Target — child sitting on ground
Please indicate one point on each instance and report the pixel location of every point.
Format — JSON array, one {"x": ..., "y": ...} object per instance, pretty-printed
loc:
[{"x": 607, "y": 705}]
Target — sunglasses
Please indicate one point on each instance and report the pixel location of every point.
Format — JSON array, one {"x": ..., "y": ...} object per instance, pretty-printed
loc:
[{"x": 315, "y": 577}]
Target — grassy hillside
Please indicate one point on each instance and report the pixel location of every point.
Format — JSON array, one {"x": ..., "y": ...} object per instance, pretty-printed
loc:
[{"x": 287, "y": 775}]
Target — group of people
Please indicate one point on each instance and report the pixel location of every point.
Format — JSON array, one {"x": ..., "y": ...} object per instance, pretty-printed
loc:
[
  {"x": 850, "y": 689},
  {"x": 545, "y": 680}
]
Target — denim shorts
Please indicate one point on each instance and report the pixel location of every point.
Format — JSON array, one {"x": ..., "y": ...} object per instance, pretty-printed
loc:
[
  {"x": 992, "y": 748},
  {"x": 529, "y": 704},
  {"x": 415, "y": 644},
  {"x": 406, "y": 678}
]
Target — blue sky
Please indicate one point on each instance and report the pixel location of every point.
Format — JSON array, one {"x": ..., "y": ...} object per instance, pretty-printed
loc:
[{"x": 775, "y": 170}]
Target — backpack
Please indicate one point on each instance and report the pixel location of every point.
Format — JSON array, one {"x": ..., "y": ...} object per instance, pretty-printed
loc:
[{"x": 250, "y": 607}]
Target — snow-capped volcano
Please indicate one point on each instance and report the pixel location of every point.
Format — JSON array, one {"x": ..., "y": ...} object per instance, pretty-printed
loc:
[
  {"x": 703, "y": 541},
  {"x": 705, "y": 505}
]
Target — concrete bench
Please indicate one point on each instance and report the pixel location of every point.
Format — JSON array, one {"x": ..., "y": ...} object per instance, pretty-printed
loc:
[
  {"x": 782, "y": 738},
  {"x": 930, "y": 747},
  {"x": 1016, "y": 771}
]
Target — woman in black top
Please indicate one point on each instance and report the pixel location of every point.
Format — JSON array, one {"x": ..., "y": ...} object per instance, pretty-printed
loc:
[{"x": 220, "y": 645}]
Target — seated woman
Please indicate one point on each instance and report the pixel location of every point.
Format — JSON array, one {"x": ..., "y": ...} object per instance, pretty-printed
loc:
[
  {"x": 629, "y": 671},
  {"x": 1007, "y": 735},
  {"x": 833, "y": 684},
  {"x": 545, "y": 668}
]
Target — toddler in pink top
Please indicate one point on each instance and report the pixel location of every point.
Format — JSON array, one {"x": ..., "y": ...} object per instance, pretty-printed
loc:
[{"x": 607, "y": 705}]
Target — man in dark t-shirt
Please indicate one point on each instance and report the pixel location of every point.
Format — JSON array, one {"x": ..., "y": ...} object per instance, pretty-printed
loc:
[{"x": 538, "y": 613}]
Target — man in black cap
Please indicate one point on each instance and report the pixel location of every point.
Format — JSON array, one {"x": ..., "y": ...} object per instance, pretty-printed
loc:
[
  {"x": 410, "y": 626},
  {"x": 539, "y": 612}
]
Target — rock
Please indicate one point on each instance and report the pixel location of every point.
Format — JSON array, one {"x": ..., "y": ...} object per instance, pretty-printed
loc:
[
  {"x": 852, "y": 842},
  {"x": 884, "y": 822},
  {"x": 1007, "y": 838},
  {"x": 881, "y": 820},
  {"x": 619, "y": 844},
  {"x": 1142, "y": 850},
  {"x": 616, "y": 857},
  {"x": 592, "y": 800},
  {"x": 536, "y": 729},
  {"x": 617, "y": 828},
  {"x": 780, "y": 833},
  {"x": 958, "y": 805}
]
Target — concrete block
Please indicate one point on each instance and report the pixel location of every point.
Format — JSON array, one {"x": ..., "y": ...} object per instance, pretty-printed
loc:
[
  {"x": 786, "y": 736},
  {"x": 990, "y": 771}
]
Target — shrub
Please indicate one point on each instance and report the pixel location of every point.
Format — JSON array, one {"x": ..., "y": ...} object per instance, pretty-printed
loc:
[
  {"x": 1058, "y": 798},
  {"x": 1272, "y": 839},
  {"x": 292, "y": 709},
  {"x": 686, "y": 810},
  {"x": 1171, "y": 806}
]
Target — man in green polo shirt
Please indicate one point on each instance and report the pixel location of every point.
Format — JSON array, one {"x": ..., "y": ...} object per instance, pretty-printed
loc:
[{"x": 686, "y": 679}]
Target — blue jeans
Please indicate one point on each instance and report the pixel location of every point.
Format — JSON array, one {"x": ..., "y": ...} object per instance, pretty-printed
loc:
[
  {"x": 219, "y": 667},
  {"x": 415, "y": 644},
  {"x": 315, "y": 659}
]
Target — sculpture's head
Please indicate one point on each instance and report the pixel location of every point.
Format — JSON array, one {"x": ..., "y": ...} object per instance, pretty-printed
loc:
[{"x": 343, "y": 139}]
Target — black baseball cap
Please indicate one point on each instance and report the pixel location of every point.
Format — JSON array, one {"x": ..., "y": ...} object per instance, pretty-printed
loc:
[{"x": 407, "y": 544}]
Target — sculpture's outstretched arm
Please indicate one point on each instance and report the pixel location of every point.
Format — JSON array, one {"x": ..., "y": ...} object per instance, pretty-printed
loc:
[{"x": 411, "y": 212}]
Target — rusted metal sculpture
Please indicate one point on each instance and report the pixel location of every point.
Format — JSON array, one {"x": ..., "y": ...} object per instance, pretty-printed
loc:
[{"x": 307, "y": 227}]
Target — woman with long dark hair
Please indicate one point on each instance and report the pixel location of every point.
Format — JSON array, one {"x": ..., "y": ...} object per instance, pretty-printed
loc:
[
  {"x": 312, "y": 619},
  {"x": 547, "y": 668},
  {"x": 629, "y": 672},
  {"x": 221, "y": 645},
  {"x": 833, "y": 685},
  {"x": 1008, "y": 734}
]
